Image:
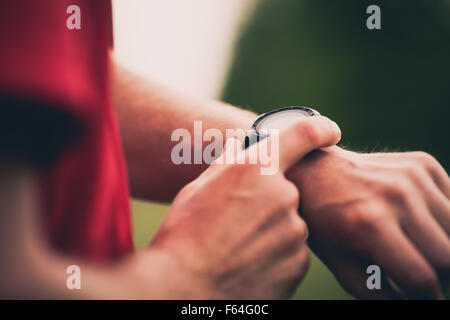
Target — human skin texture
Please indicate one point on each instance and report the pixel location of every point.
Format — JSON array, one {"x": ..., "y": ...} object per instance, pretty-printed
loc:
[{"x": 386, "y": 209}]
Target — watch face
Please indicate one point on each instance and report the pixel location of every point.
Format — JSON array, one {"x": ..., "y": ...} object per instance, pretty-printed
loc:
[{"x": 281, "y": 118}]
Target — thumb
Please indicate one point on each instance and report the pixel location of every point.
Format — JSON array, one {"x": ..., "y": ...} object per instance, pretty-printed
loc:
[{"x": 304, "y": 136}]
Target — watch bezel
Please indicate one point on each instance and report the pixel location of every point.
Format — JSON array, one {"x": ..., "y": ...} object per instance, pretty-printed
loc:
[
  {"x": 253, "y": 135},
  {"x": 310, "y": 111}
]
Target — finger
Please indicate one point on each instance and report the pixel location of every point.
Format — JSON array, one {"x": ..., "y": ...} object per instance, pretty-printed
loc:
[
  {"x": 354, "y": 277},
  {"x": 438, "y": 203},
  {"x": 433, "y": 167},
  {"x": 281, "y": 250},
  {"x": 351, "y": 271},
  {"x": 431, "y": 240},
  {"x": 439, "y": 174},
  {"x": 404, "y": 264},
  {"x": 291, "y": 271},
  {"x": 303, "y": 137},
  {"x": 443, "y": 181},
  {"x": 286, "y": 235}
]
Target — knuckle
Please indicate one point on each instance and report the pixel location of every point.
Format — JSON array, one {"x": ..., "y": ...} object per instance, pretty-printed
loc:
[
  {"x": 303, "y": 261},
  {"x": 298, "y": 265},
  {"x": 425, "y": 159},
  {"x": 411, "y": 170},
  {"x": 364, "y": 224},
  {"x": 284, "y": 192},
  {"x": 365, "y": 217},
  {"x": 298, "y": 228},
  {"x": 397, "y": 191},
  {"x": 290, "y": 194}
]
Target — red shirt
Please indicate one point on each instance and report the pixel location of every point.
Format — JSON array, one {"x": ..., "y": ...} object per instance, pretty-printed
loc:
[{"x": 85, "y": 193}]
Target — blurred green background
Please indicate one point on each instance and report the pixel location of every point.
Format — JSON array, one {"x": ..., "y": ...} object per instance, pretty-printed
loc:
[{"x": 388, "y": 89}]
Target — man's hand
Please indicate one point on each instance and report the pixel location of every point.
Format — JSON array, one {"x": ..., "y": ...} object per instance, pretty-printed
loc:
[
  {"x": 233, "y": 233},
  {"x": 389, "y": 209}
]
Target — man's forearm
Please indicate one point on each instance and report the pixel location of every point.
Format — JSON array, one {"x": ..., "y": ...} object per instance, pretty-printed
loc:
[
  {"x": 31, "y": 269},
  {"x": 148, "y": 113},
  {"x": 43, "y": 275}
]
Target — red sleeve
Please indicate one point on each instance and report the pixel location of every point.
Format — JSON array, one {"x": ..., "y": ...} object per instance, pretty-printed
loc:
[{"x": 51, "y": 78}]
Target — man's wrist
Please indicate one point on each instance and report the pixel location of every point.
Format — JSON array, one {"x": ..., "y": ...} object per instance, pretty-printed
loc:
[
  {"x": 320, "y": 159},
  {"x": 157, "y": 274}
]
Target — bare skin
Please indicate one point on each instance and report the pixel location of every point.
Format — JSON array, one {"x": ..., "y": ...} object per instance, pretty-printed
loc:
[
  {"x": 389, "y": 209},
  {"x": 345, "y": 197},
  {"x": 368, "y": 188},
  {"x": 198, "y": 252},
  {"x": 148, "y": 113}
]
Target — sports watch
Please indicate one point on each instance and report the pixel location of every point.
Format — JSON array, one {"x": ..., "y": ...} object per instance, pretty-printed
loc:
[{"x": 275, "y": 119}]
